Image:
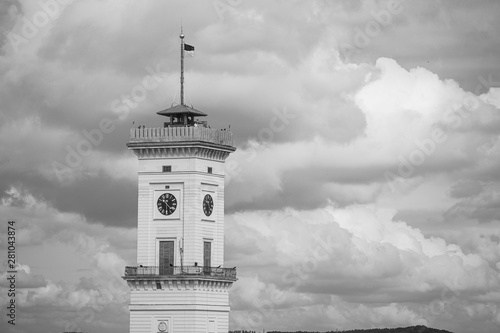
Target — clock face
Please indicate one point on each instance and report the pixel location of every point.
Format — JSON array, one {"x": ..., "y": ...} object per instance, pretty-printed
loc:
[
  {"x": 167, "y": 203},
  {"x": 208, "y": 205}
]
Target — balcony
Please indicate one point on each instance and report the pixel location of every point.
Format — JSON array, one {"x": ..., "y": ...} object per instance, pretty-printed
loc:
[
  {"x": 181, "y": 134},
  {"x": 133, "y": 272}
]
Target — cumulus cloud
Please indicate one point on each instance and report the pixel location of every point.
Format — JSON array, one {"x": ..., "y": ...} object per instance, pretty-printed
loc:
[
  {"x": 98, "y": 290},
  {"x": 417, "y": 126},
  {"x": 348, "y": 262}
]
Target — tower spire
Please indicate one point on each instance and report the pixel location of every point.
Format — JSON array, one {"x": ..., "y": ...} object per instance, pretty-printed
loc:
[{"x": 182, "y": 66}]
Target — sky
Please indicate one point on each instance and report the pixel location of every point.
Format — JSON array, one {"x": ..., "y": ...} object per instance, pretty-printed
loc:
[{"x": 364, "y": 191}]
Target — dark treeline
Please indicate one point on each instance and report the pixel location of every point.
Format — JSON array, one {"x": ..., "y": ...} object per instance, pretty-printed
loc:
[{"x": 411, "y": 329}]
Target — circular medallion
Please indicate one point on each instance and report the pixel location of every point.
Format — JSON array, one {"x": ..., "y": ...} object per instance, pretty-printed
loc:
[{"x": 162, "y": 327}]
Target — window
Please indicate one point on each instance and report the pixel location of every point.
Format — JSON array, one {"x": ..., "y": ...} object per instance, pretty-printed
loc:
[
  {"x": 167, "y": 168},
  {"x": 166, "y": 257},
  {"x": 207, "y": 257},
  {"x": 209, "y": 169},
  {"x": 158, "y": 285},
  {"x": 211, "y": 325}
]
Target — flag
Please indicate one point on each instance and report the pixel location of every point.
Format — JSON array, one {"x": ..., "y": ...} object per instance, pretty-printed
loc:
[{"x": 189, "y": 49}]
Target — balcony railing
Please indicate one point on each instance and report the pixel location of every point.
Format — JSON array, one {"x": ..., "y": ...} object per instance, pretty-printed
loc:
[
  {"x": 156, "y": 271},
  {"x": 184, "y": 133}
]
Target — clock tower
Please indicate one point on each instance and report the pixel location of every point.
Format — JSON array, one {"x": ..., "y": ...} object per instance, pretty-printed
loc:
[{"x": 180, "y": 284}]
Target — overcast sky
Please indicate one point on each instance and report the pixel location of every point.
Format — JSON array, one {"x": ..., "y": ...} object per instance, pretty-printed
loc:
[{"x": 365, "y": 189}]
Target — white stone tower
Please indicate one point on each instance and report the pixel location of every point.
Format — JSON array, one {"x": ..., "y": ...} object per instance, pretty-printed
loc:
[{"x": 179, "y": 284}]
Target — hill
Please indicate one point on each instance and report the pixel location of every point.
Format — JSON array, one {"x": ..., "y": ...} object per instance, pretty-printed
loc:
[{"x": 411, "y": 329}]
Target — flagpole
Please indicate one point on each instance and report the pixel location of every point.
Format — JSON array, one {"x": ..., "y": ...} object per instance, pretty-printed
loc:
[
  {"x": 182, "y": 67},
  {"x": 182, "y": 103}
]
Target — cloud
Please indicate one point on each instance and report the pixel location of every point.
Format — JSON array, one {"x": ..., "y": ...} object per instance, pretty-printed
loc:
[
  {"x": 355, "y": 264},
  {"x": 314, "y": 130},
  {"x": 23, "y": 279},
  {"x": 356, "y": 121},
  {"x": 482, "y": 205},
  {"x": 465, "y": 188},
  {"x": 43, "y": 286},
  {"x": 416, "y": 126},
  {"x": 9, "y": 12}
]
